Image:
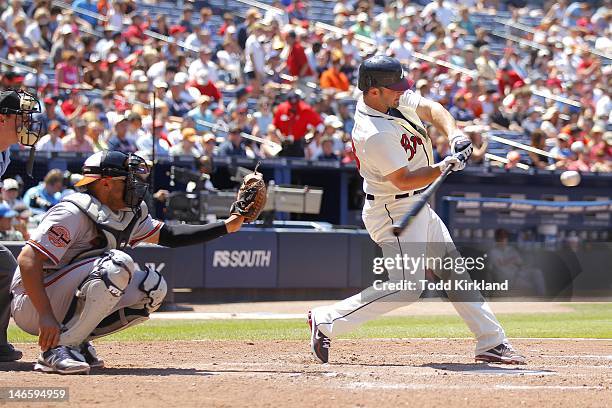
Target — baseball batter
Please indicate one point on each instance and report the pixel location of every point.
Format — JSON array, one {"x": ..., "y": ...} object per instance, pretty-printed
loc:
[
  {"x": 74, "y": 283},
  {"x": 17, "y": 125},
  {"x": 394, "y": 157}
]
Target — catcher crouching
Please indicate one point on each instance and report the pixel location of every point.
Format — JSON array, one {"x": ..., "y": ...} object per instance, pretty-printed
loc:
[{"x": 74, "y": 283}]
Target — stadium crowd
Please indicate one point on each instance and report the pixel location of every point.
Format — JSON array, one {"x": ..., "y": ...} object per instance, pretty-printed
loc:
[
  {"x": 292, "y": 83},
  {"x": 279, "y": 76}
]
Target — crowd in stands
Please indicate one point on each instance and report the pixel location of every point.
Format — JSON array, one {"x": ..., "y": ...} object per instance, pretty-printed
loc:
[{"x": 277, "y": 75}]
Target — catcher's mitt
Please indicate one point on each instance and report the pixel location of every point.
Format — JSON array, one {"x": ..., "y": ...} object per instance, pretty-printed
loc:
[{"x": 251, "y": 197}]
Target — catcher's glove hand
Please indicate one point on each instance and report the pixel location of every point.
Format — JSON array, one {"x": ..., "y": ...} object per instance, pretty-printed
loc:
[{"x": 251, "y": 197}]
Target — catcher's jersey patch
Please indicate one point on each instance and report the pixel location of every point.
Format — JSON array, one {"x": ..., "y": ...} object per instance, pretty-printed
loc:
[{"x": 59, "y": 236}]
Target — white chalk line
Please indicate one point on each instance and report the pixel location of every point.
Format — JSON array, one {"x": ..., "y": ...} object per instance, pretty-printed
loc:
[{"x": 372, "y": 385}]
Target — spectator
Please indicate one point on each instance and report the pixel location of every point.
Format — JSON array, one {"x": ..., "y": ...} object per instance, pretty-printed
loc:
[
  {"x": 255, "y": 58},
  {"x": 460, "y": 111},
  {"x": 11, "y": 13},
  {"x": 579, "y": 162},
  {"x": 361, "y": 27},
  {"x": 561, "y": 149},
  {"x": 64, "y": 44},
  {"x": 187, "y": 147},
  {"x": 202, "y": 113},
  {"x": 95, "y": 134},
  {"x": 538, "y": 140},
  {"x": 46, "y": 194},
  {"x": 263, "y": 116},
  {"x": 145, "y": 143},
  {"x": 12, "y": 228},
  {"x": 209, "y": 144},
  {"x": 333, "y": 78},
  {"x": 203, "y": 66},
  {"x": 78, "y": 140},
  {"x": 10, "y": 195},
  {"x": 442, "y": 148},
  {"x": 52, "y": 141},
  {"x": 252, "y": 16},
  {"x": 401, "y": 48},
  {"x": 293, "y": 118},
  {"x": 487, "y": 68},
  {"x": 118, "y": 140},
  {"x": 234, "y": 145},
  {"x": 327, "y": 149}
]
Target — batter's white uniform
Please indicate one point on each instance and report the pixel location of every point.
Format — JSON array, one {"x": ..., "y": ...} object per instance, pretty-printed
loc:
[
  {"x": 69, "y": 239},
  {"x": 384, "y": 143}
]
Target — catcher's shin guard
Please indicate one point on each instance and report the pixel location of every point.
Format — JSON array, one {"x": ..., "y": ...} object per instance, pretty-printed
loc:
[
  {"x": 98, "y": 295},
  {"x": 152, "y": 290}
]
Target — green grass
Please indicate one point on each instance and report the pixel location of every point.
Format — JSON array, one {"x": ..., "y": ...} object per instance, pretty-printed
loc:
[{"x": 587, "y": 320}]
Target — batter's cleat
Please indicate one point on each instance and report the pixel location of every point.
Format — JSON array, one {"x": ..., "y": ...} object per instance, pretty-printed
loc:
[
  {"x": 62, "y": 360},
  {"x": 319, "y": 343},
  {"x": 503, "y": 354},
  {"x": 91, "y": 357},
  {"x": 8, "y": 353}
]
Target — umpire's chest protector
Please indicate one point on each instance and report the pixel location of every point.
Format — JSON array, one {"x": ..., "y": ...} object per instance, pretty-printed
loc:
[{"x": 115, "y": 228}]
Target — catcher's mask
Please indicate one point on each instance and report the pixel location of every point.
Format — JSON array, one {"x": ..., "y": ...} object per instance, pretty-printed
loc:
[
  {"x": 23, "y": 106},
  {"x": 114, "y": 164}
]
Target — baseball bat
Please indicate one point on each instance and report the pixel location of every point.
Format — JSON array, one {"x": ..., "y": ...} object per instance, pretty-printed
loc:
[{"x": 423, "y": 198}]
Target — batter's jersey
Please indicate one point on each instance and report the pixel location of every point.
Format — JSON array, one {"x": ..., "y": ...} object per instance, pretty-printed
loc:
[
  {"x": 65, "y": 232},
  {"x": 386, "y": 142}
]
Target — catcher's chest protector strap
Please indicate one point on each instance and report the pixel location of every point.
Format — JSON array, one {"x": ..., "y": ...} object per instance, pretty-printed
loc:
[{"x": 116, "y": 228}]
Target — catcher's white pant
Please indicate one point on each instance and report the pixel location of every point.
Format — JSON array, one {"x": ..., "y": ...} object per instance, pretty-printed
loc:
[
  {"x": 426, "y": 228},
  {"x": 61, "y": 287}
]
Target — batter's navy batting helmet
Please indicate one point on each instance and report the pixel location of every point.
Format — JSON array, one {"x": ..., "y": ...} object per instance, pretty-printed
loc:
[{"x": 382, "y": 71}]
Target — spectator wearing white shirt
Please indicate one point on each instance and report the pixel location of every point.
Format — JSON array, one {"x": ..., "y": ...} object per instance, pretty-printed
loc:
[
  {"x": 52, "y": 141},
  {"x": 254, "y": 67},
  {"x": 401, "y": 48},
  {"x": 14, "y": 10},
  {"x": 444, "y": 12},
  {"x": 204, "y": 64}
]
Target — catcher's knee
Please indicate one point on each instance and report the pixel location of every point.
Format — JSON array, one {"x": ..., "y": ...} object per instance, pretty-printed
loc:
[
  {"x": 115, "y": 268},
  {"x": 155, "y": 288}
]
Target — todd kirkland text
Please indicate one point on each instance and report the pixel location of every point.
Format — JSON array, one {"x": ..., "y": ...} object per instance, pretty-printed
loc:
[{"x": 455, "y": 284}]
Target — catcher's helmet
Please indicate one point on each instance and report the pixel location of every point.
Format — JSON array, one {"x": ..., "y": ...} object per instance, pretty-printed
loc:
[{"x": 382, "y": 71}]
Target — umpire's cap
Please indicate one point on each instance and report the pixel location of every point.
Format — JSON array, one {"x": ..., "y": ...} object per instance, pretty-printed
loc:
[{"x": 382, "y": 71}]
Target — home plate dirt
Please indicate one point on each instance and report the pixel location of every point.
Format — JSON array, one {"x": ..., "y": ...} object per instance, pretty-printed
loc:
[{"x": 363, "y": 373}]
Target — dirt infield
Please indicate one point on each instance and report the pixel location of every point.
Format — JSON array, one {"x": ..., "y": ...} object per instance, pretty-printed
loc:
[{"x": 410, "y": 372}]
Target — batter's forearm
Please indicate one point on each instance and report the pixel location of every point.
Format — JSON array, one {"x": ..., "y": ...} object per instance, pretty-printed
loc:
[{"x": 406, "y": 180}]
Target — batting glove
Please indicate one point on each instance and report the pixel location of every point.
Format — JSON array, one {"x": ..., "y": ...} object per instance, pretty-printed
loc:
[
  {"x": 452, "y": 161},
  {"x": 461, "y": 147}
]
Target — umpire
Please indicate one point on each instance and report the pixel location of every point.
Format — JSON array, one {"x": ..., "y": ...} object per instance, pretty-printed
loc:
[{"x": 16, "y": 126}]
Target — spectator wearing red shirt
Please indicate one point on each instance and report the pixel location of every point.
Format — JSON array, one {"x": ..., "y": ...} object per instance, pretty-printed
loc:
[
  {"x": 205, "y": 86},
  {"x": 134, "y": 34},
  {"x": 293, "y": 118},
  {"x": 297, "y": 62},
  {"x": 507, "y": 77}
]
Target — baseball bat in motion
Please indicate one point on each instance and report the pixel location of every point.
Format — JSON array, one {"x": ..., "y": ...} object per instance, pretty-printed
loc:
[{"x": 423, "y": 198}]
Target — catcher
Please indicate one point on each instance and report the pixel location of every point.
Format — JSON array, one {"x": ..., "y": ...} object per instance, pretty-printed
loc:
[{"x": 74, "y": 283}]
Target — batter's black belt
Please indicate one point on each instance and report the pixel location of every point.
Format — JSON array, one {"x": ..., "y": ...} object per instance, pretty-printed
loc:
[{"x": 397, "y": 197}]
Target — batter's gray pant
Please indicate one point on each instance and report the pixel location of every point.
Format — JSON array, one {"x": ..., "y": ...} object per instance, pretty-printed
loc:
[{"x": 8, "y": 264}]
